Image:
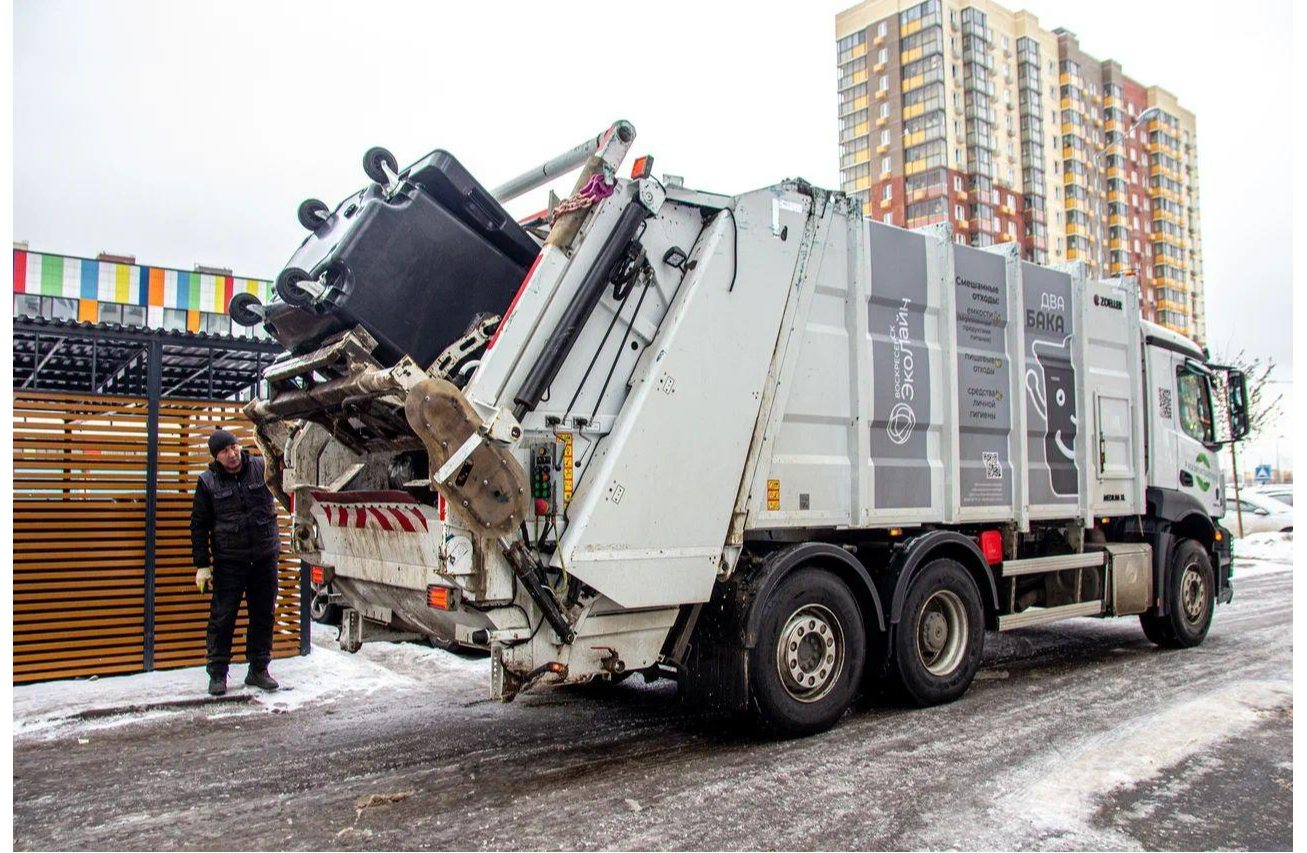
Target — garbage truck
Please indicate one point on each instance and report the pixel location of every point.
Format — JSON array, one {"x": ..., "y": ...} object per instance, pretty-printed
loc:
[{"x": 758, "y": 443}]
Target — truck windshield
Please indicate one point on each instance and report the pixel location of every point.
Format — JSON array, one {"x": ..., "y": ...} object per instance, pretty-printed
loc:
[{"x": 1195, "y": 405}]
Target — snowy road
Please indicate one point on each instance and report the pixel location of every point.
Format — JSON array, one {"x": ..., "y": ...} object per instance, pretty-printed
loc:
[{"x": 1079, "y": 735}]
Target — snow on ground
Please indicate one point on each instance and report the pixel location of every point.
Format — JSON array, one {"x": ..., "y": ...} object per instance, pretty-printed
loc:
[
  {"x": 58, "y": 708},
  {"x": 1262, "y": 553},
  {"x": 1053, "y": 797}
]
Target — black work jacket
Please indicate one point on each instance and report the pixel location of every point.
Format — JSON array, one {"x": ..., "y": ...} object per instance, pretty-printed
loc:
[{"x": 232, "y": 517}]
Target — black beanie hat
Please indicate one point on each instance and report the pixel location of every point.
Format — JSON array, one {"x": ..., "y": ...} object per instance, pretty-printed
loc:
[{"x": 219, "y": 440}]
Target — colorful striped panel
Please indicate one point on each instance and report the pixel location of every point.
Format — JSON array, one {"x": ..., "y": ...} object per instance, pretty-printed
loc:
[{"x": 129, "y": 284}]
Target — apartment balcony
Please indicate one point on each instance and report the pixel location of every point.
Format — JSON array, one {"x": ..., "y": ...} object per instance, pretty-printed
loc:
[
  {"x": 909, "y": 28},
  {"x": 914, "y": 167},
  {"x": 881, "y": 93},
  {"x": 1076, "y": 204},
  {"x": 886, "y": 203},
  {"x": 935, "y": 191},
  {"x": 962, "y": 195},
  {"x": 1118, "y": 219},
  {"x": 962, "y": 224},
  {"x": 1111, "y": 103}
]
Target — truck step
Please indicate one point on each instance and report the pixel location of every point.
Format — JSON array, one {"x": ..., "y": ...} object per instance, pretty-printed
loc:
[
  {"x": 1061, "y": 562},
  {"x": 1044, "y": 615}
]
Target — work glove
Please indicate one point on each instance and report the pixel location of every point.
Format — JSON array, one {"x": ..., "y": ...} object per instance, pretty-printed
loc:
[{"x": 204, "y": 579}]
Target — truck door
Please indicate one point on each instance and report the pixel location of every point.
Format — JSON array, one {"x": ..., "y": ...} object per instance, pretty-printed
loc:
[{"x": 1196, "y": 463}]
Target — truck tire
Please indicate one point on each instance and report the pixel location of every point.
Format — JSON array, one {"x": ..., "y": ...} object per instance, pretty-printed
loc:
[
  {"x": 321, "y": 609},
  {"x": 1190, "y": 600},
  {"x": 941, "y": 635},
  {"x": 806, "y": 666}
]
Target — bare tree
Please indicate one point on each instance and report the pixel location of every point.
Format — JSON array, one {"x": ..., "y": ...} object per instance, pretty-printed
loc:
[
  {"x": 1264, "y": 402},
  {"x": 1263, "y": 408}
]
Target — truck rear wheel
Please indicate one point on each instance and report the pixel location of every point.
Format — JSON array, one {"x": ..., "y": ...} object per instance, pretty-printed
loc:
[
  {"x": 1190, "y": 600},
  {"x": 807, "y": 664},
  {"x": 321, "y": 608},
  {"x": 939, "y": 640}
]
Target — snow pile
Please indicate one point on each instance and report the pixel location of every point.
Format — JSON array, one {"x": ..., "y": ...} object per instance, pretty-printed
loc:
[
  {"x": 1263, "y": 553},
  {"x": 1265, "y": 546},
  {"x": 328, "y": 674}
]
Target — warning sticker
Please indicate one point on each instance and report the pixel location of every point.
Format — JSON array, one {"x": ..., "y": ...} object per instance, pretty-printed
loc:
[
  {"x": 773, "y": 495},
  {"x": 568, "y": 467}
]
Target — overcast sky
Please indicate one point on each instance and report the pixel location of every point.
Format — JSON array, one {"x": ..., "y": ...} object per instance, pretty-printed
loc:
[{"x": 184, "y": 132}]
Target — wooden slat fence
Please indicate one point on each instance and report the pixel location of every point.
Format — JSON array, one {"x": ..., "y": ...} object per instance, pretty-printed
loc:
[{"x": 94, "y": 592}]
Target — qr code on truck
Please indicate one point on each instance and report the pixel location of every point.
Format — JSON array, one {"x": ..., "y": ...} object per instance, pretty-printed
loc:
[{"x": 993, "y": 470}]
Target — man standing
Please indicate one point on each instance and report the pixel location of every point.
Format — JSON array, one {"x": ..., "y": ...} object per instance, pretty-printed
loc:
[{"x": 234, "y": 544}]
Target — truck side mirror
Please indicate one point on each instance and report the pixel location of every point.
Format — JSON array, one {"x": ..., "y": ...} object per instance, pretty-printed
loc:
[{"x": 1236, "y": 395}]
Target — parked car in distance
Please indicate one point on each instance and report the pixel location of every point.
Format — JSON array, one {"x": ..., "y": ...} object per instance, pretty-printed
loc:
[
  {"x": 1261, "y": 514},
  {"x": 1282, "y": 492}
]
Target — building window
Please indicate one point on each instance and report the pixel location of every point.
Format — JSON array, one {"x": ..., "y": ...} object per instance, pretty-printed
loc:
[
  {"x": 215, "y": 324},
  {"x": 884, "y": 82},
  {"x": 134, "y": 315},
  {"x": 63, "y": 309},
  {"x": 889, "y": 218},
  {"x": 884, "y": 110},
  {"x": 959, "y": 213},
  {"x": 884, "y": 137},
  {"x": 882, "y": 56},
  {"x": 887, "y": 192},
  {"x": 111, "y": 312},
  {"x": 174, "y": 319},
  {"x": 884, "y": 165},
  {"x": 27, "y": 305},
  {"x": 880, "y": 30},
  {"x": 957, "y": 183}
]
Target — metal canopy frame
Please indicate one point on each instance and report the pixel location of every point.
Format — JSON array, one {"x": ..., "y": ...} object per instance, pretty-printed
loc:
[
  {"x": 90, "y": 358},
  {"x": 154, "y": 364}
]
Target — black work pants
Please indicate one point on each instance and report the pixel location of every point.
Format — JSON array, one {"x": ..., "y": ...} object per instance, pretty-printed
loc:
[{"x": 256, "y": 582}]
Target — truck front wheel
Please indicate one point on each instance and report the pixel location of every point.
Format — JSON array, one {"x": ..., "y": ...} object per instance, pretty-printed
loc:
[
  {"x": 807, "y": 664},
  {"x": 1190, "y": 600},
  {"x": 940, "y": 637}
]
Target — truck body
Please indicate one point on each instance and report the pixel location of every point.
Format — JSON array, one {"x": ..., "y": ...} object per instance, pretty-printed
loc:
[{"x": 761, "y": 444}]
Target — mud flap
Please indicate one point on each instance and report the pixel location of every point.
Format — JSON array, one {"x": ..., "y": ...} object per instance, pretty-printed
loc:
[{"x": 489, "y": 486}]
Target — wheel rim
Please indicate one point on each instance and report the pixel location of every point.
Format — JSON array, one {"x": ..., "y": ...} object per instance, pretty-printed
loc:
[
  {"x": 810, "y": 654},
  {"x": 942, "y": 630},
  {"x": 319, "y": 603},
  {"x": 1193, "y": 594}
]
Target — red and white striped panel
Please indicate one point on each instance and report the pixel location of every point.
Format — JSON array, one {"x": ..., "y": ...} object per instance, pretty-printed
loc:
[
  {"x": 389, "y": 511},
  {"x": 392, "y": 519}
]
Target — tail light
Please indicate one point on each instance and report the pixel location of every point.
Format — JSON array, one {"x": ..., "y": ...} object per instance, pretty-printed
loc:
[
  {"x": 442, "y": 598},
  {"x": 316, "y": 574},
  {"x": 991, "y": 545}
]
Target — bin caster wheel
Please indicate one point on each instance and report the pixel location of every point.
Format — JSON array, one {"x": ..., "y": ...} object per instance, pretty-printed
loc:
[
  {"x": 290, "y": 290},
  {"x": 312, "y": 213},
  {"x": 372, "y": 165},
  {"x": 245, "y": 310}
]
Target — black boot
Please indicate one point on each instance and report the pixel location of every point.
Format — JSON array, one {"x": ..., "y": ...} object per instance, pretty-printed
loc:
[
  {"x": 260, "y": 678},
  {"x": 217, "y": 685}
]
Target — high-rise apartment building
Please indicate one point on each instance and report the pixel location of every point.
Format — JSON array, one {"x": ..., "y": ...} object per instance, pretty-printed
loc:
[{"x": 976, "y": 115}]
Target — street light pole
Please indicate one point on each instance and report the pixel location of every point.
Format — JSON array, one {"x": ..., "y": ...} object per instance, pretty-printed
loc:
[{"x": 1143, "y": 116}]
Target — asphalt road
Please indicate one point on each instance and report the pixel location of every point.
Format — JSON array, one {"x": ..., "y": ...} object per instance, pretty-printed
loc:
[{"x": 1079, "y": 735}]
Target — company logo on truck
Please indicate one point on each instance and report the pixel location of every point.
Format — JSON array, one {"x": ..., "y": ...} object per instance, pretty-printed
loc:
[
  {"x": 1052, "y": 386},
  {"x": 1201, "y": 469},
  {"x": 1108, "y": 302},
  {"x": 902, "y": 418}
]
